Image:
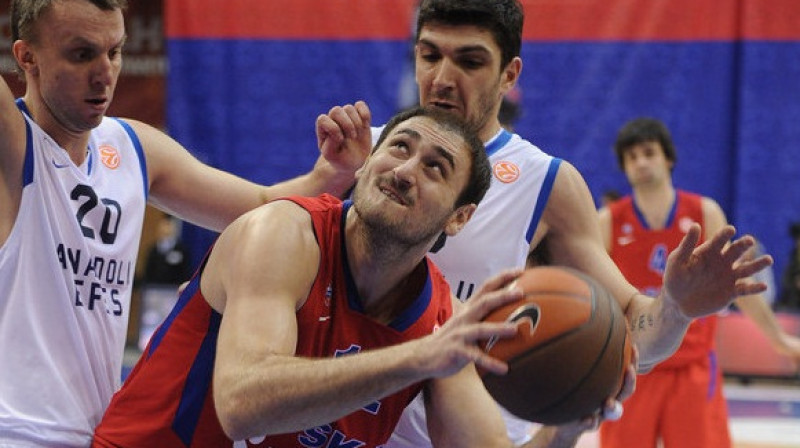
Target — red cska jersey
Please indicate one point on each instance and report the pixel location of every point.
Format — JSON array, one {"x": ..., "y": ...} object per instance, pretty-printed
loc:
[
  {"x": 641, "y": 254},
  {"x": 167, "y": 400}
]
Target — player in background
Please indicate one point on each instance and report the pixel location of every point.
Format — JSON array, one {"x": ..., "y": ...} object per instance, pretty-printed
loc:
[
  {"x": 467, "y": 57},
  {"x": 73, "y": 188},
  {"x": 680, "y": 401}
]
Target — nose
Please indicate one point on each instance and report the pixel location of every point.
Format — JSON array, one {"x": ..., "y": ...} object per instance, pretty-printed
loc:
[
  {"x": 405, "y": 173},
  {"x": 104, "y": 71},
  {"x": 444, "y": 74}
]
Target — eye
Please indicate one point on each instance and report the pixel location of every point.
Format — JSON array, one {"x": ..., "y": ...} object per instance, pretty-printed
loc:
[
  {"x": 399, "y": 147},
  {"x": 115, "y": 53},
  {"x": 82, "y": 54},
  {"x": 471, "y": 63}
]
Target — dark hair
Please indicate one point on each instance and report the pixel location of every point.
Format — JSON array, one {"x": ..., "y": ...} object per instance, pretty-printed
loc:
[
  {"x": 480, "y": 175},
  {"x": 503, "y": 18},
  {"x": 640, "y": 130},
  {"x": 794, "y": 230},
  {"x": 25, "y": 13}
]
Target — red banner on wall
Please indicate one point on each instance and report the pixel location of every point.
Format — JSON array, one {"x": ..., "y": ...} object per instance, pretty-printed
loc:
[{"x": 548, "y": 20}]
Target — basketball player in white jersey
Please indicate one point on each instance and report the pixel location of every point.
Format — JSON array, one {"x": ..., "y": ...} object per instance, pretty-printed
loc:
[
  {"x": 466, "y": 59},
  {"x": 73, "y": 188}
]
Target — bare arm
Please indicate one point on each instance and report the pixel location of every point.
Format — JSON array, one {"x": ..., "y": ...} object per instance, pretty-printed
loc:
[
  {"x": 183, "y": 186},
  {"x": 755, "y": 307},
  {"x": 12, "y": 154},
  {"x": 260, "y": 387}
]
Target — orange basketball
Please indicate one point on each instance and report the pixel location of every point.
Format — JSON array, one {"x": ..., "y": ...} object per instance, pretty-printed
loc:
[{"x": 570, "y": 350}]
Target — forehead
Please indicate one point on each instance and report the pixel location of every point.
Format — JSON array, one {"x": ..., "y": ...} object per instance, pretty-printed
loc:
[
  {"x": 651, "y": 147},
  {"x": 458, "y": 38},
  {"x": 79, "y": 20},
  {"x": 429, "y": 133}
]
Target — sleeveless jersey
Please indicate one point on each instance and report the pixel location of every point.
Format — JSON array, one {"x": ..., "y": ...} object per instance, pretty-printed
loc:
[
  {"x": 67, "y": 271},
  {"x": 641, "y": 255},
  {"x": 167, "y": 401},
  {"x": 497, "y": 237}
]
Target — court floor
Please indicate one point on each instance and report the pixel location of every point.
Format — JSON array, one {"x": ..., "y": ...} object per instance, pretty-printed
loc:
[{"x": 763, "y": 414}]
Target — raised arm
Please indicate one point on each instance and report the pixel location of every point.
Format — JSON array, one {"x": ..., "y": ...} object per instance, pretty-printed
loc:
[
  {"x": 12, "y": 153},
  {"x": 183, "y": 186}
]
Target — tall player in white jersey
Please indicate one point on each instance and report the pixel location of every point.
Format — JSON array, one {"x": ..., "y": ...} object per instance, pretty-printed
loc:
[
  {"x": 466, "y": 59},
  {"x": 73, "y": 187}
]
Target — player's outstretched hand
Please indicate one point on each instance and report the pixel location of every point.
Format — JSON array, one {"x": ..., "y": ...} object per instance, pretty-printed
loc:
[
  {"x": 704, "y": 279},
  {"x": 344, "y": 136},
  {"x": 455, "y": 344}
]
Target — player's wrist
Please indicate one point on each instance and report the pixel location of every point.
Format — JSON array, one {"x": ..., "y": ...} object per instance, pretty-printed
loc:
[
  {"x": 672, "y": 309},
  {"x": 334, "y": 180}
]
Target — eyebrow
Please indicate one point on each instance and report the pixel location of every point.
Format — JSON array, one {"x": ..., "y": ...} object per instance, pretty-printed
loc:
[
  {"x": 460, "y": 50},
  {"x": 442, "y": 152}
]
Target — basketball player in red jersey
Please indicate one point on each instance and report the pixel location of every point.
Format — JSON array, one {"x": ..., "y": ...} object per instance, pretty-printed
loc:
[
  {"x": 315, "y": 322},
  {"x": 680, "y": 401}
]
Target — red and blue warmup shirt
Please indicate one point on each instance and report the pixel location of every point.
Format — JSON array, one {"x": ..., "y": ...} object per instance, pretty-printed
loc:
[
  {"x": 167, "y": 400},
  {"x": 641, "y": 254}
]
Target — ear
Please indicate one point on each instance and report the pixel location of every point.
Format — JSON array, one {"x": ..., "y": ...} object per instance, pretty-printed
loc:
[
  {"x": 459, "y": 219},
  {"x": 23, "y": 53},
  {"x": 510, "y": 75}
]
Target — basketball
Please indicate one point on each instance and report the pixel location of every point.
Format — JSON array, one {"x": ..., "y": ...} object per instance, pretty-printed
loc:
[{"x": 570, "y": 351}]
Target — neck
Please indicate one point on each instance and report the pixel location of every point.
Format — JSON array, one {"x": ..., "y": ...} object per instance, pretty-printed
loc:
[
  {"x": 388, "y": 277},
  {"x": 655, "y": 203},
  {"x": 489, "y": 130},
  {"x": 73, "y": 142}
]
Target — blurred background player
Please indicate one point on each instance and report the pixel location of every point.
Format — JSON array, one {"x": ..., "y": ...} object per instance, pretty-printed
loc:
[{"x": 680, "y": 401}]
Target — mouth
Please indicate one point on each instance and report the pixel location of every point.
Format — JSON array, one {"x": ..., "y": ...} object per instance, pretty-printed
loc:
[
  {"x": 97, "y": 103},
  {"x": 392, "y": 194},
  {"x": 445, "y": 105}
]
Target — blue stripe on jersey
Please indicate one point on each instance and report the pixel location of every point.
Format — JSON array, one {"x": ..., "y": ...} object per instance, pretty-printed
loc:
[
  {"x": 198, "y": 383},
  {"x": 184, "y": 298},
  {"x": 23, "y": 107},
  {"x": 670, "y": 217},
  {"x": 544, "y": 195},
  {"x": 27, "y": 165},
  {"x": 407, "y": 317},
  {"x": 498, "y": 142},
  {"x": 413, "y": 313},
  {"x": 139, "y": 151}
]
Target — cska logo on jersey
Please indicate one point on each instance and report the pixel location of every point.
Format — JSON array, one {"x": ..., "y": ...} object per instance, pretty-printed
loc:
[
  {"x": 109, "y": 156},
  {"x": 506, "y": 172}
]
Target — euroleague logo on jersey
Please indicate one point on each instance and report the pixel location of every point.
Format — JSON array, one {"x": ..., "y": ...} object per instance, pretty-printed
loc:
[
  {"x": 109, "y": 156},
  {"x": 506, "y": 172}
]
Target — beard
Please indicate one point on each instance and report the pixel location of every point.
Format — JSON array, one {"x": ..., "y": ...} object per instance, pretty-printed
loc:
[{"x": 384, "y": 228}]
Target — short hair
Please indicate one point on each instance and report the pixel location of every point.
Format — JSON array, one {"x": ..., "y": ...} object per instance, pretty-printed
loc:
[
  {"x": 25, "y": 13},
  {"x": 640, "y": 130},
  {"x": 480, "y": 175},
  {"x": 502, "y": 18}
]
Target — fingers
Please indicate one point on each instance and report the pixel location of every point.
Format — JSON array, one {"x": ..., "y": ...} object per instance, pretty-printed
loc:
[
  {"x": 364, "y": 112},
  {"x": 748, "y": 268},
  {"x": 629, "y": 379},
  {"x": 687, "y": 244},
  {"x": 500, "y": 280},
  {"x": 612, "y": 411},
  {"x": 348, "y": 121},
  {"x": 483, "y": 303}
]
